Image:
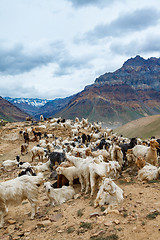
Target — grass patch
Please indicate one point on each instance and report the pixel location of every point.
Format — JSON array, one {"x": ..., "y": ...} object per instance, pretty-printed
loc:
[
  {"x": 126, "y": 183},
  {"x": 110, "y": 237},
  {"x": 70, "y": 229},
  {"x": 103, "y": 209},
  {"x": 91, "y": 203},
  {"x": 125, "y": 214},
  {"x": 86, "y": 225},
  {"x": 153, "y": 215},
  {"x": 154, "y": 181},
  {"x": 80, "y": 213}
]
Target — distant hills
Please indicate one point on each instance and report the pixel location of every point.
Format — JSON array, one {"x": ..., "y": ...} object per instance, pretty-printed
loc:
[
  {"x": 10, "y": 112},
  {"x": 129, "y": 93},
  {"x": 143, "y": 128}
]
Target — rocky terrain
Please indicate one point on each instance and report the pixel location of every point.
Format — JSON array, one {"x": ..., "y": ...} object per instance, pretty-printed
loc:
[{"x": 137, "y": 218}]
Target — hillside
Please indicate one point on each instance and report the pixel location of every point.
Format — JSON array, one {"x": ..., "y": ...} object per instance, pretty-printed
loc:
[
  {"x": 130, "y": 93},
  {"x": 143, "y": 128},
  {"x": 10, "y": 112}
]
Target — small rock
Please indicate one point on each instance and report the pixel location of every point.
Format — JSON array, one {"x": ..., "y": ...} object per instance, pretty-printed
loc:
[
  {"x": 98, "y": 233},
  {"x": 77, "y": 196},
  {"x": 116, "y": 221},
  {"x": 55, "y": 217},
  {"x": 108, "y": 223},
  {"x": 44, "y": 223},
  {"x": 95, "y": 214},
  {"x": 10, "y": 221}
]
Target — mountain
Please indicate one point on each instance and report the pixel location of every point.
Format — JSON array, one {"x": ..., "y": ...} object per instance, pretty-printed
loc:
[
  {"x": 10, "y": 112},
  {"x": 129, "y": 93},
  {"x": 28, "y": 105},
  {"x": 52, "y": 107}
]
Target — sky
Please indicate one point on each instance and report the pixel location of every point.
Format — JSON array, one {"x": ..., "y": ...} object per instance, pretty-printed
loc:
[{"x": 54, "y": 48}]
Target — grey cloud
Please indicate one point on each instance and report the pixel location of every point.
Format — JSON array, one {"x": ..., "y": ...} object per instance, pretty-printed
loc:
[
  {"x": 98, "y": 3},
  {"x": 131, "y": 22},
  {"x": 67, "y": 65},
  {"x": 149, "y": 44},
  {"x": 17, "y": 61}
]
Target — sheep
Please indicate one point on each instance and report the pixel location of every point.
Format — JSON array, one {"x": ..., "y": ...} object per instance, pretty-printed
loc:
[
  {"x": 58, "y": 195},
  {"x": 7, "y": 164},
  {"x": 109, "y": 193},
  {"x": 148, "y": 173},
  {"x": 70, "y": 173},
  {"x": 13, "y": 192},
  {"x": 149, "y": 153}
]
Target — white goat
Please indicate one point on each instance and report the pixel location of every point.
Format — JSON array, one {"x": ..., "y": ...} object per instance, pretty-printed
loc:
[
  {"x": 110, "y": 169},
  {"x": 83, "y": 166},
  {"x": 7, "y": 164},
  {"x": 58, "y": 195},
  {"x": 42, "y": 167},
  {"x": 37, "y": 152},
  {"x": 13, "y": 192},
  {"x": 148, "y": 173},
  {"x": 149, "y": 153},
  {"x": 109, "y": 193},
  {"x": 70, "y": 173}
]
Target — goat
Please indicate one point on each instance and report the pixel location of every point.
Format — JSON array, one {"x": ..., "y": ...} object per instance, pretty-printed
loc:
[
  {"x": 56, "y": 157},
  {"x": 13, "y": 192},
  {"x": 103, "y": 169},
  {"x": 70, "y": 173},
  {"x": 125, "y": 146},
  {"x": 37, "y": 152},
  {"x": 148, "y": 173},
  {"x": 10, "y": 163},
  {"x": 28, "y": 171},
  {"x": 24, "y": 148},
  {"x": 149, "y": 153},
  {"x": 58, "y": 195},
  {"x": 109, "y": 193}
]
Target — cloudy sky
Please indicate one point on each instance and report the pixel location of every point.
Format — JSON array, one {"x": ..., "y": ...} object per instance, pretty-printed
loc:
[{"x": 54, "y": 48}]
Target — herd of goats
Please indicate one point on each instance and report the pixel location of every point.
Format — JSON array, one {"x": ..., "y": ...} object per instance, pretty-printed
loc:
[{"x": 83, "y": 152}]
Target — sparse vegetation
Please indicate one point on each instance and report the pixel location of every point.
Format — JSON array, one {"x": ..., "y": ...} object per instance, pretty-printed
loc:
[
  {"x": 152, "y": 215},
  {"x": 86, "y": 225},
  {"x": 80, "y": 213}
]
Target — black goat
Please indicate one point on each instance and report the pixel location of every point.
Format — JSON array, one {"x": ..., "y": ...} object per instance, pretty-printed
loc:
[
  {"x": 38, "y": 134},
  {"x": 125, "y": 146},
  {"x": 56, "y": 157}
]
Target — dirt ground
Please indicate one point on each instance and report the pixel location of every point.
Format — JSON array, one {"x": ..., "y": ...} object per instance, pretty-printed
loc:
[{"x": 137, "y": 218}]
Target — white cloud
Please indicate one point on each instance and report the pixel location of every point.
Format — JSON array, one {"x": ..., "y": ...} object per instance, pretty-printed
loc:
[{"x": 41, "y": 49}]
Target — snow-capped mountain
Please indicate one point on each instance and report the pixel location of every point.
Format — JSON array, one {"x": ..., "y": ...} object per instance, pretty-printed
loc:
[{"x": 36, "y": 102}]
